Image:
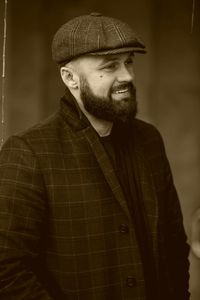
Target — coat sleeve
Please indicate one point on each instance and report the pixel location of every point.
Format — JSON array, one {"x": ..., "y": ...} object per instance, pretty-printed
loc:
[
  {"x": 22, "y": 210},
  {"x": 176, "y": 247}
]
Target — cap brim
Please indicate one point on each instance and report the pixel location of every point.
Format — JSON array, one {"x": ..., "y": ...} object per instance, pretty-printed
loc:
[{"x": 120, "y": 50}]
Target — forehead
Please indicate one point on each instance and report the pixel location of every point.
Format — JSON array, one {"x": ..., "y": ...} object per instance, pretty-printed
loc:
[
  {"x": 114, "y": 57},
  {"x": 87, "y": 62}
]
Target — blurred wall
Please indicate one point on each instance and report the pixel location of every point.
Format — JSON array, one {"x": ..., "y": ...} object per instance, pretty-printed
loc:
[{"x": 168, "y": 78}]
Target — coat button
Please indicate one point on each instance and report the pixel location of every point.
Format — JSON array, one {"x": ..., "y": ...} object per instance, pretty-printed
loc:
[
  {"x": 130, "y": 281},
  {"x": 123, "y": 228}
]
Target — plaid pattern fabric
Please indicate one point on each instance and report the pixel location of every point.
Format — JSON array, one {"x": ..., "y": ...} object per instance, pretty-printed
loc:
[
  {"x": 65, "y": 228},
  {"x": 94, "y": 34}
]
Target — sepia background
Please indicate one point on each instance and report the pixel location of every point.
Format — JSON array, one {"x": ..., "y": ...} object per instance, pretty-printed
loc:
[{"x": 167, "y": 77}]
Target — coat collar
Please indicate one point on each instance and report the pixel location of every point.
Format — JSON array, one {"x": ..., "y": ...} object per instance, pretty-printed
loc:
[
  {"x": 106, "y": 167},
  {"x": 77, "y": 121},
  {"x": 71, "y": 113}
]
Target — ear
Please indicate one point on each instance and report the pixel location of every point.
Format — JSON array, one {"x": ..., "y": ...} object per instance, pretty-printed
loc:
[{"x": 69, "y": 77}]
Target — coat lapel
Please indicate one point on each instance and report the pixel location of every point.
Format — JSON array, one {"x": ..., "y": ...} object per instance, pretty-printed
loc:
[
  {"x": 106, "y": 167},
  {"x": 144, "y": 177},
  {"x": 78, "y": 122},
  {"x": 148, "y": 194}
]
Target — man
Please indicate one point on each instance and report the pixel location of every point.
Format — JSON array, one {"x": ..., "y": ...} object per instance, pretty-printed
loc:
[{"x": 87, "y": 201}]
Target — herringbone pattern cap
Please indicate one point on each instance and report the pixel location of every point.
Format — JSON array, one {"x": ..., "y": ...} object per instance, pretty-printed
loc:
[{"x": 94, "y": 34}]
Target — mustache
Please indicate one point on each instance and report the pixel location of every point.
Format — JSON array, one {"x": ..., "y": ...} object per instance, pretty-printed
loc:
[{"x": 129, "y": 85}]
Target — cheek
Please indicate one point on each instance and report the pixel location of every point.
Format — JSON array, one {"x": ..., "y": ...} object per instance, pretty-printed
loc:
[
  {"x": 102, "y": 89},
  {"x": 100, "y": 84}
]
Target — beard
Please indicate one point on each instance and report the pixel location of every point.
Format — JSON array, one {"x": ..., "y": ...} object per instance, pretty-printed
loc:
[{"x": 107, "y": 108}]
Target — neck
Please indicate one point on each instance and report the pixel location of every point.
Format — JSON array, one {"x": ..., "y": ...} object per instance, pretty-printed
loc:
[{"x": 102, "y": 127}]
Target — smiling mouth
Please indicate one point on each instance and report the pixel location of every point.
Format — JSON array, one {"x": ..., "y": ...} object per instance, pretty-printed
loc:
[{"x": 122, "y": 91}]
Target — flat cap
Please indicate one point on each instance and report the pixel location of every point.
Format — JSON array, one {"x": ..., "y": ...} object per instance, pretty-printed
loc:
[{"x": 94, "y": 34}]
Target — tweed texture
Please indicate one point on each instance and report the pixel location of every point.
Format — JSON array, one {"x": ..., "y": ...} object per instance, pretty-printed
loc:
[
  {"x": 94, "y": 34},
  {"x": 62, "y": 212}
]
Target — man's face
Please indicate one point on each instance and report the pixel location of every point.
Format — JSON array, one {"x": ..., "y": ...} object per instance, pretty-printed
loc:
[{"x": 106, "y": 87}]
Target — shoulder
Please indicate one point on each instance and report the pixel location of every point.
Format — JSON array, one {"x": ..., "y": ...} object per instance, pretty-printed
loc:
[
  {"x": 146, "y": 133},
  {"x": 45, "y": 128},
  {"x": 38, "y": 136},
  {"x": 149, "y": 142}
]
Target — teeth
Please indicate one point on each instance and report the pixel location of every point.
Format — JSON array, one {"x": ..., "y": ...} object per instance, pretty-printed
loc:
[{"x": 121, "y": 91}]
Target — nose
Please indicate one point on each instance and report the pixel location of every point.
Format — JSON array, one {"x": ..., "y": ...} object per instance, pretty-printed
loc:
[{"x": 125, "y": 74}]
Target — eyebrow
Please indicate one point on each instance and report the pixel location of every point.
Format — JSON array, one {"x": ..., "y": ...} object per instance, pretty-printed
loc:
[
  {"x": 107, "y": 58},
  {"x": 111, "y": 58}
]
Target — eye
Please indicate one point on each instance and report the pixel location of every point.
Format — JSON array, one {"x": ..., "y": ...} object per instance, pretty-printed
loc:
[
  {"x": 110, "y": 66},
  {"x": 129, "y": 62}
]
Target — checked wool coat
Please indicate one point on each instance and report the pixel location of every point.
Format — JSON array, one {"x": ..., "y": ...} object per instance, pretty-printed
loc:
[{"x": 65, "y": 228}]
